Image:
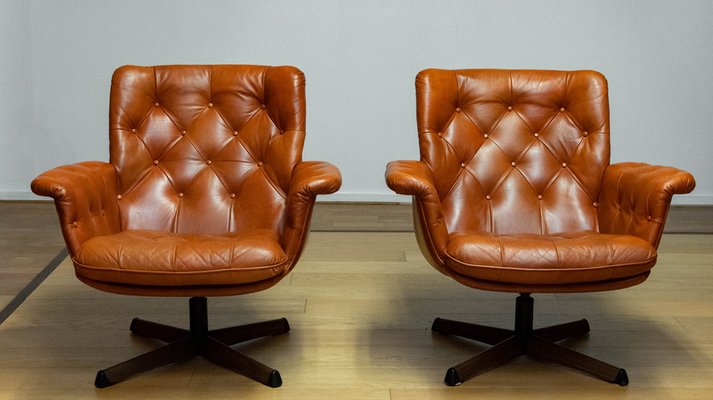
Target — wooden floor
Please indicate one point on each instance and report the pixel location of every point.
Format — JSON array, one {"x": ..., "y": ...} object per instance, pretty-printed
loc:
[
  {"x": 29, "y": 239},
  {"x": 360, "y": 305}
]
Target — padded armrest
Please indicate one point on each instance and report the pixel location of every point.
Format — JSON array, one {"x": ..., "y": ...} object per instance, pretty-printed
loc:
[
  {"x": 411, "y": 178},
  {"x": 309, "y": 179},
  {"x": 635, "y": 198},
  {"x": 85, "y": 198},
  {"x": 415, "y": 178}
]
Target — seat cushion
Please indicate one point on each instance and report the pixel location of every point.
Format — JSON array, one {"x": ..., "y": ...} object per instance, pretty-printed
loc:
[
  {"x": 562, "y": 259},
  {"x": 152, "y": 258}
]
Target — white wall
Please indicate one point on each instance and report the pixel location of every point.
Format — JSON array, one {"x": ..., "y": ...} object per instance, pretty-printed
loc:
[
  {"x": 17, "y": 142},
  {"x": 360, "y": 59}
]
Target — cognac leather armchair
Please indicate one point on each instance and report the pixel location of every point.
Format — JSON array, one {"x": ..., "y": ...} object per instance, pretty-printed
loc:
[
  {"x": 205, "y": 194},
  {"x": 514, "y": 192}
]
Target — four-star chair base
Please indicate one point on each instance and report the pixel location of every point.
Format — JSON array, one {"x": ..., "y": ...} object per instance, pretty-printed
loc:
[
  {"x": 198, "y": 341},
  {"x": 523, "y": 340}
]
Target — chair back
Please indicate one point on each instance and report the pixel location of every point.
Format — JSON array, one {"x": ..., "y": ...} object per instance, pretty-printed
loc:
[
  {"x": 515, "y": 151},
  {"x": 205, "y": 149}
]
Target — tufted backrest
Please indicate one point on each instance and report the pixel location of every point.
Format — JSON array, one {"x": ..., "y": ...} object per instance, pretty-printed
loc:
[
  {"x": 205, "y": 149},
  {"x": 515, "y": 151}
]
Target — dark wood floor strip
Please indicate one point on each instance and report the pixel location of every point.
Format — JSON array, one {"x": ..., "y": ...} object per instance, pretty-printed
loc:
[{"x": 34, "y": 283}]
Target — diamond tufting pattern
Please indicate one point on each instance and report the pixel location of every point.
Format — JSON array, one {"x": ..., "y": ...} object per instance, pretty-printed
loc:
[
  {"x": 191, "y": 138},
  {"x": 511, "y": 147}
]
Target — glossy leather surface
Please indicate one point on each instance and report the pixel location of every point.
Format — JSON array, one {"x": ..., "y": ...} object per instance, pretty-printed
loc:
[
  {"x": 205, "y": 185},
  {"x": 515, "y": 189}
]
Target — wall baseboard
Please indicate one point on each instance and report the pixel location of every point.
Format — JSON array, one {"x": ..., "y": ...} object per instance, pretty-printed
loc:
[
  {"x": 701, "y": 200},
  {"x": 366, "y": 198},
  {"x": 20, "y": 195},
  {"x": 693, "y": 200}
]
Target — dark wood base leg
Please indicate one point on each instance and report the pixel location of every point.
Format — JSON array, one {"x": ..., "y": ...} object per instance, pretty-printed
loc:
[
  {"x": 556, "y": 333},
  {"x": 498, "y": 355},
  {"x": 523, "y": 340},
  {"x": 165, "y": 355},
  {"x": 198, "y": 341},
  {"x": 481, "y": 333},
  {"x": 540, "y": 348},
  {"x": 231, "y": 359},
  {"x": 164, "y": 333},
  {"x": 243, "y": 333}
]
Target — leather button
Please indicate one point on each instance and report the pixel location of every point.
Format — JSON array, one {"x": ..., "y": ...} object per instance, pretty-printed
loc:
[
  {"x": 488, "y": 197},
  {"x": 562, "y": 109},
  {"x": 183, "y": 132},
  {"x": 564, "y": 165},
  {"x": 209, "y": 162},
  {"x": 133, "y": 130},
  {"x": 282, "y": 131},
  {"x": 259, "y": 163},
  {"x": 180, "y": 195},
  {"x": 537, "y": 134},
  {"x": 509, "y": 108},
  {"x": 457, "y": 109},
  {"x": 75, "y": 224},
  {"x": 485, "y": 135},
  {"x": 585, "y": 133},
  {"x": 513, "y": 163},
  {"x": 262, "y": 106},
  {"x": 595, "y": 205},
  {"x": 648, "y": 218},
  {"x": 232, "y": 195},
  {"x": 155, "y": 162},
  {"x": 539, "y": 197},
  {"x": 440, "y": 135},
  {"x": 156, "y": 105},
  {"x": 118, "y": 197},
  {"x": 462, "y": 165},
  {"x": 210, "y": 104},
  {"x": 235, "y": 133}
]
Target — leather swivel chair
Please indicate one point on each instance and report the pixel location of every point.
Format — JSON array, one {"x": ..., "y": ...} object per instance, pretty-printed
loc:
[
  {"x": 205, "y": 194},
  {"x": 514, "y": 192}
]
